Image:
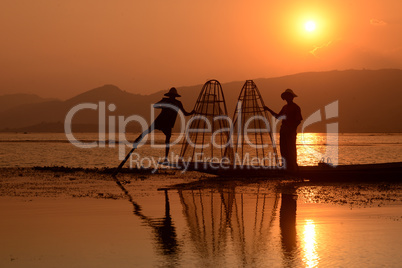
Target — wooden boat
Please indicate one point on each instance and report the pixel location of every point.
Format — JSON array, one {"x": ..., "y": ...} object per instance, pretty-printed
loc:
[{"x": 322, "y": 172}]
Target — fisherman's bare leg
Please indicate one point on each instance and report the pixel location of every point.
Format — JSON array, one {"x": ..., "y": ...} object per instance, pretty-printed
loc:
[{"x": 167, "y": 142}]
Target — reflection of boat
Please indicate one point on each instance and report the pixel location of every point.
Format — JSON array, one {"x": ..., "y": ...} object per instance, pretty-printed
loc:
[
  {"x": 383, "y": 171},
  {"x": 222, "y": 223}
]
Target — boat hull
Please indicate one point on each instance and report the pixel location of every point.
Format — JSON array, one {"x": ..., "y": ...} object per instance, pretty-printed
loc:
[{"x": 381, "y": 171}]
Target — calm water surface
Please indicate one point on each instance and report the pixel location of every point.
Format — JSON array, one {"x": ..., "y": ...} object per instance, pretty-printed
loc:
[
  {"x": 263, "y": 224},
  {"x": 258, "y": 225},
  {"x": 27, "y": 150}
]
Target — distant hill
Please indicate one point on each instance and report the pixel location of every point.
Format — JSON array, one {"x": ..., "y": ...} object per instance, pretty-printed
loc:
[
  {"x": 14, "y": 100},
  {"x": 41, "y": 117},
  {"x": 369, "y": 101}
]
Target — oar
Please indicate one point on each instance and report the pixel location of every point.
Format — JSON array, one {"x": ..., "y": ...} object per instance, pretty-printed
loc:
[{"x": 123, "y": 162}]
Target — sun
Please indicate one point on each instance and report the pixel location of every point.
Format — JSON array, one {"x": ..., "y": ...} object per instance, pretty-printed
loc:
[{"x": 310, "y": 26}]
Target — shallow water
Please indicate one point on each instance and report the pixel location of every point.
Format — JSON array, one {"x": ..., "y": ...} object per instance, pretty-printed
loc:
[
  {"x": 53, "y": 149},
  {"x": 70, "y": 220},
  {"x": 254, "y": 225}
]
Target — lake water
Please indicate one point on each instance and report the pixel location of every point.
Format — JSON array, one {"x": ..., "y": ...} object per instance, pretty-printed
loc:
[
  {"x": 27, "y": 150},
  {"x": 78, "y": 219},
  {"x": 262, "y": 224}
]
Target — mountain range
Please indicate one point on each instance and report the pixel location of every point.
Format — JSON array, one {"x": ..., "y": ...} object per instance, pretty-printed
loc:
[{"x": 369, "y": 101}]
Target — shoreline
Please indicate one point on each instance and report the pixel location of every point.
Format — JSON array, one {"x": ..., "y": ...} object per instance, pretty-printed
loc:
[{"x": 31, "y": 183}]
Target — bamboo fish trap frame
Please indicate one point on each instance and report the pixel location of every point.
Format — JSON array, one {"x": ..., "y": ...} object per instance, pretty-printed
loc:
[
  {"x": 208, "y": 136},
  {"x": 258, "y": 144}
]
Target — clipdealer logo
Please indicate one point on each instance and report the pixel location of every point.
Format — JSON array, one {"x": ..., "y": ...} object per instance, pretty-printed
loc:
[
  {"x": 110, "y": 120},
  {"x": 330, "y": 112},
  {"x": 330, "y": 156}
]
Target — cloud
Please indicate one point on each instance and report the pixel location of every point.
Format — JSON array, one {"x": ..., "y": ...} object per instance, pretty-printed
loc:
[
  {"x": 318, "y": 48},
  {"x": 342, "y": 55},
  {"x": 377, "y": 22}
]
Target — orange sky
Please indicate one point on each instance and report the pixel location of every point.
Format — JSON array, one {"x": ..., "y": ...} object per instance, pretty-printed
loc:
[{"x": 60, "y": 48}]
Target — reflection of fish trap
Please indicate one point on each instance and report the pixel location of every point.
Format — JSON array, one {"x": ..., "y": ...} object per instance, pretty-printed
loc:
[
  {"x": 208, "y": 131},
  {"x": 254, "y": 143},
  {"x": 223, "y": 219}
]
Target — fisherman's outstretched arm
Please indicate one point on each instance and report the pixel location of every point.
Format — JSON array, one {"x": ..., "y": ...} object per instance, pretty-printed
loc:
[
  {"x": 185, "y": 112},
  {"x": 272, "y": 112}
]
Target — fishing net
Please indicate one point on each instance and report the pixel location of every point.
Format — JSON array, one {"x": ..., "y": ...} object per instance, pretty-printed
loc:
[
  {"x": 253, "y": 141},
  {"x": 207, "y": 136}
]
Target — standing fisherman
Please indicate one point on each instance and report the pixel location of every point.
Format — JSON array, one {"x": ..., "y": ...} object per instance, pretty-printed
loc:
[
  {"x": 166, "y": 119},
  {"x": 292, "y": 117},
  {"x": 164, "y": 122}
]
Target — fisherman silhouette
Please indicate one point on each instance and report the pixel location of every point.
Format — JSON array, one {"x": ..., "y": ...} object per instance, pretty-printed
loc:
[
  {"x": 291, "y": 118},
  {"x": 164, "y": 122},
  {"x": 166, "y": 119}
]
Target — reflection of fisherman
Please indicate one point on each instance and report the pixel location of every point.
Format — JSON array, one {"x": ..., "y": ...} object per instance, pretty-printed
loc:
[
  {"x": 291, "y": 119},
  {"x": 166, "y": 119},
  {"x": 166, "y": 232},
  {"x": 287, "y": 220},
  {"x": 163, "y": 228}
]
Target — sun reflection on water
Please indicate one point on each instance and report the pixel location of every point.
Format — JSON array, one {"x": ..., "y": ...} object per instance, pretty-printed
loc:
[
  {"x": 309, "y": 246},
  {"x": 309, "y": 148}
]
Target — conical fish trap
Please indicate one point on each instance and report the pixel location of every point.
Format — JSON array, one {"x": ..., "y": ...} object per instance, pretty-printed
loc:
[
  {"x": 253, "y": 142},
  {"x": 208, "y": 133}
]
